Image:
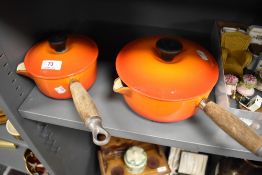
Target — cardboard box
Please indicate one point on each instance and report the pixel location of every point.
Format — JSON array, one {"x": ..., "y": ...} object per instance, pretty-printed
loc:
[{"x": 253, "y": 119}]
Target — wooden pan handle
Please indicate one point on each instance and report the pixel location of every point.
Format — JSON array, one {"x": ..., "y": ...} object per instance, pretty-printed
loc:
[
  {"x": 234, "y": 127},
  {"x": 88, "y": 112},
  {"x": 83, "y": 101}
]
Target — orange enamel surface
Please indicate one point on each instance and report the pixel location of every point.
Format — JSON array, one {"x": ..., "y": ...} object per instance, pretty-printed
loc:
[
  {"x": 162, "y": 111},
  {"x": 80, "y": 54},
  {"x": 78, "y": 63},
  {"x": 187, "y": 77},
  {"x": 49, "y": 86}
]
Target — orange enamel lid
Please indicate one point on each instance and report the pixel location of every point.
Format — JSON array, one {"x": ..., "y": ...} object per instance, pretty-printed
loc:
[
  {"x": 167, "y": 68},
  {"x": 60, "y": 56}
]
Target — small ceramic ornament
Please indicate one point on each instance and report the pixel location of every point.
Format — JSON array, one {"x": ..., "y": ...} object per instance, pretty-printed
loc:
[
  {"x": 231, "y": 83},
  {"x": 135, "y": 159},
  {"x": 246, "y": 87}
]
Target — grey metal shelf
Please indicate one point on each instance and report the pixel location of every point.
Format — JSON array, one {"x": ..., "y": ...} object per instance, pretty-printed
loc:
[
  {"x": 6, "y": 136},
  {"x": 13, "y": 158},
  {"x": 55, "y": 146},
  {"x": 67, "y": 151},
  {"x": 196, "y": 134}
]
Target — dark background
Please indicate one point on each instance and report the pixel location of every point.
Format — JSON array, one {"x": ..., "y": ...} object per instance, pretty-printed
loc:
[{"x": 112, "y": 23}]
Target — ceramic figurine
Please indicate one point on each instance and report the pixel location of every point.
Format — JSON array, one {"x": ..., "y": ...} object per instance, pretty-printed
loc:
[
  {"x": 231, "y": 83},
  {"x": 235, "y": 54},
  {"x": 135, "y": 159},
  {"x": 246, "y": 87}
]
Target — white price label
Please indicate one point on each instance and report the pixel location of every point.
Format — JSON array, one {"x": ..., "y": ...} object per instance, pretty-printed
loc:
[
  {"x": 60, "y": 89},
  {"x": 161, "y": 169},
  {"x": 202, "y": 55},
  {"x": 51, "y": 65}
]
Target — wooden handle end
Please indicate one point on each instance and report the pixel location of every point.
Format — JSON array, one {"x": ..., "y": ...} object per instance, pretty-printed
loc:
[{"x": 234, "y": 127}]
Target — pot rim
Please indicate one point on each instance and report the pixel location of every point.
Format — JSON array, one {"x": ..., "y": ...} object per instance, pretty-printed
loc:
[{"x": 198, "y": 97}]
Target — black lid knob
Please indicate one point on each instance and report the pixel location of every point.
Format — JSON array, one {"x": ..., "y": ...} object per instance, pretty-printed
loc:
[
  {"x": 58, "y": 42},
  {"x": 168, "y": 48}
]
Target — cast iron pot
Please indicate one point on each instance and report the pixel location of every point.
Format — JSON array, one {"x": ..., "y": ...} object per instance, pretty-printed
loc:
[
  {"x": 166, "y": 79},
  {"x": 62, "y": 67}
]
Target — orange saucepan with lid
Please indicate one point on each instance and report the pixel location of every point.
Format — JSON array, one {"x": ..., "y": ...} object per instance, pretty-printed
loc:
[
  {"x": 54, "y": 62},
  {"x": 166, "y": 79},
  {"x": 62, "y": 67}
]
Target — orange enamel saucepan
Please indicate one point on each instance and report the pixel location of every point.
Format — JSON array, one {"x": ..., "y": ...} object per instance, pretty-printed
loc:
[
  {"x": 166, "y": 79},
  {"x": 62, "y": 67}
]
